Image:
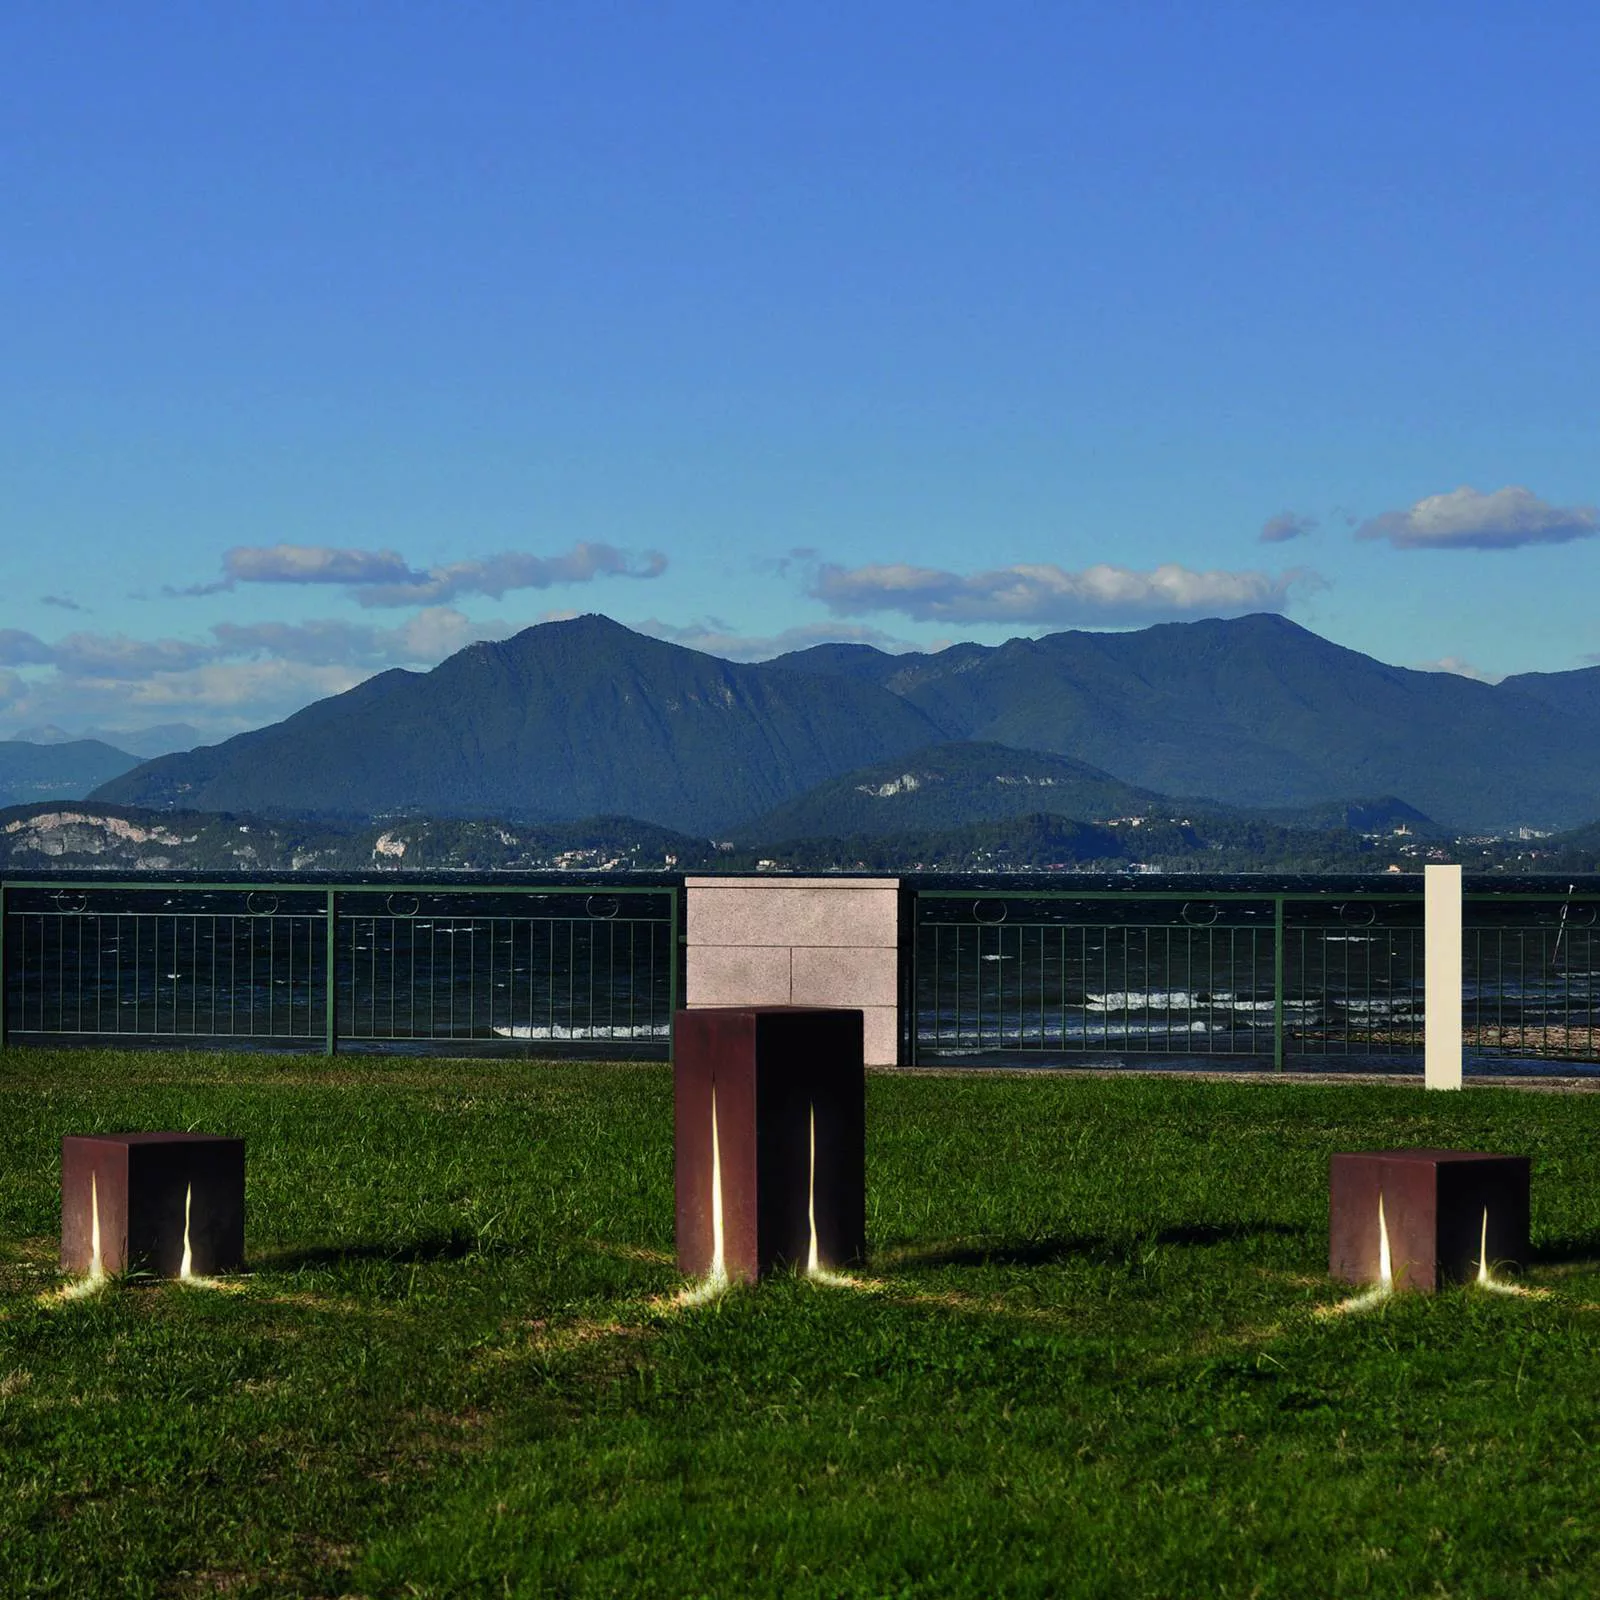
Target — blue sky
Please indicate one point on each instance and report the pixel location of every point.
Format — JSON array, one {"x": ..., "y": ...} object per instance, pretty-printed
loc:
[{"x": 338, "y": 335}]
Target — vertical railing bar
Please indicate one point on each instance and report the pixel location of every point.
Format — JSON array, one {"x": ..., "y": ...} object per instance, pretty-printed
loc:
[
  {"x": 956, "y": 968},
  {"x": 330, "y": 973},
  {"x": 975, "y": 1027},
  {"x": 1061, "y": 1003},
  {"x": 373, "y": 1025},
  {"x": 1168, "y": 992},
  {"x": 1566, "y": 998},
  {"x": 1500, "y": 987},
  {"x": 1277, "y": 984},
  {"x": 272, "y": 974},
  {"x": 533, "y": 956}
]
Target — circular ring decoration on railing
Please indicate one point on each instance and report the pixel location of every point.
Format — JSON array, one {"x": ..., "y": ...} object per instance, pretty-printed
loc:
[
  {"x": 602, "y": 906},
  {"x": 73, "y": 904},
  {"x": 1355, "y": 914},
  {"x": 260, "y": 904},
  {"x": 403, "y": 905},
  {"x": 1581, "y": 917},
  {"x": 1200, "y": 913},
  {"x": 989, "y": 911}
]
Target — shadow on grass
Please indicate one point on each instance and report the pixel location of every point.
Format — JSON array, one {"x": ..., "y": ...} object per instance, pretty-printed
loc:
[
  {"x": 1062, "y": 1247},
  {"x": 401, "y": 1252},
  {"x": 1578, "y": 1250}
]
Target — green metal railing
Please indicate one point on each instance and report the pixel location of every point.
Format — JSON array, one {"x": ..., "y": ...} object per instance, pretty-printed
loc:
[
  {"x": 1218, "y": 969},
  {"x": 529, "y": 969},
  {"x": 1280, "y": 977}
]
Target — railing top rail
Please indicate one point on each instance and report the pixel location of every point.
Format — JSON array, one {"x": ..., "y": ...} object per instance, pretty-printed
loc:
[
  {"x": 1245, "y": 886},
  {"x": 994, "y": 885},
  {"x": 506, "y": 883}
]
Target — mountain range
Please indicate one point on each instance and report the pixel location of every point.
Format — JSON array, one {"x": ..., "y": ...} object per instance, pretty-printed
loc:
[
  {"x": 97, "y": 837},
  {"x": 950, "y": 786},
  {"x": 144, "y": 743},
  {"x": 56, "y": 771},
  {"x": 583, "y": 717}
]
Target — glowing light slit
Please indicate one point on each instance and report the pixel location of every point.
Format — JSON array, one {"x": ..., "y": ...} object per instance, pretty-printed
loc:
[
  {"x": 718, "y": 1275},
  {"x": 1385, "y": 1261},
  {"x": 97, "y": 1266},
  {"x": 1487, "y": 1280},
  {"x": 813, "y": 1256},
  {"x": 186, "y": 1266}
]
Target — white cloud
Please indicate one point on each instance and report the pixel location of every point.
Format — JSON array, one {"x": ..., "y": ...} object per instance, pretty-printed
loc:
[
  {"x": 383, "y": 578},
  {"x": 425, "y": 639},
  {"x": 1287, "y": 525},
  {"x": 1107, "y": 595},
  {"x": 220, "y": 697},
  {"x": 304, "y": 563},
  {"x": 716, "y": 638},
  {"x": 114, "y": 655},
  {"x": 310, "y": 563},
  {"x": 1466, "y": 520},
  {"x": 242, "y": 687},
  {"x": 513, "y": 569},
  {"x": 241, "y": 676},
  {"x": 21, "y": 649},
  {"x": 107, "y": 655},
  {"x": 1462, "y": 669}
]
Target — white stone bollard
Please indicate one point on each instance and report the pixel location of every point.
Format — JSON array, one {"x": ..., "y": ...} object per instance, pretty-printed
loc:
[
  {"x": 798, "y": 941},
  {"x": 1442, "y": 985}
]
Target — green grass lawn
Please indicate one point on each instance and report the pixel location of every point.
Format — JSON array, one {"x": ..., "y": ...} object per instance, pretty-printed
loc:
[{"x": 1088, "y": 1355}]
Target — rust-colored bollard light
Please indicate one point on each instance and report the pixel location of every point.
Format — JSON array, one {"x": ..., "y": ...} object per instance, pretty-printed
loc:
[
  {"x": 169, "y": 1203},
  {"x": 1418, "y": 1219},
  {"x": 771, "y": 1139}
]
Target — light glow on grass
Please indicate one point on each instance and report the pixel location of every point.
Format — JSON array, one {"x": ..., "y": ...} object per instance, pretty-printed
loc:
[
  {"x": 1380, "y": 1291},
  {"x": 840, "y": 1280},
  {"x": 95, "y": 1280},
  {"x": 1369, "y": 1301},
  {"x": 1487, "y": 1280}
]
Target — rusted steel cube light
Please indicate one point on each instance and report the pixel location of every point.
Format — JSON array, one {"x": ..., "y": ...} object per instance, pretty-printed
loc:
[
  {"x": 783, "y": 1154},
  {"x": 1442, "y": 1216},
  {"x": 157, "y": 1201}
]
